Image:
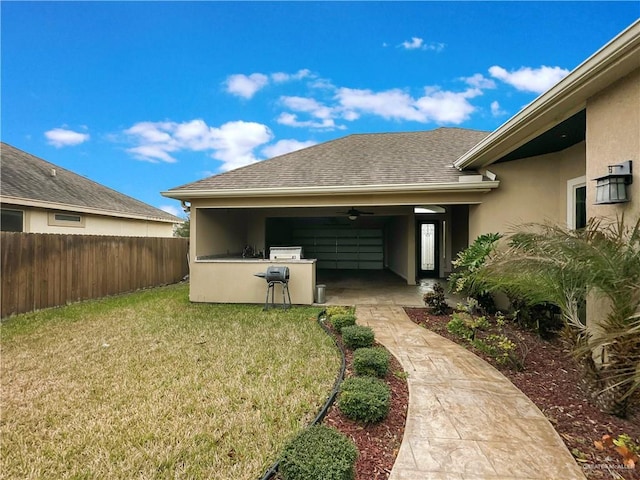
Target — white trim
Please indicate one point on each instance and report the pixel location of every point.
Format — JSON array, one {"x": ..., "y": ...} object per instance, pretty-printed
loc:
[
  {"x": 572, "y": 185},
  {"x": 57, "y": 219},
  {"x": 462, "y": 187},
  {"x": 26, "y": 202}
]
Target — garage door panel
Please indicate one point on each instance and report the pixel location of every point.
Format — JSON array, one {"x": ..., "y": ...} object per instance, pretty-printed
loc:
[{"x": 346, "y": 248}]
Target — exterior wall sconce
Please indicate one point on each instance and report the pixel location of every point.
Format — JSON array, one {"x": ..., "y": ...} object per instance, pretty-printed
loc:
[{"x": 612, "y": 188}]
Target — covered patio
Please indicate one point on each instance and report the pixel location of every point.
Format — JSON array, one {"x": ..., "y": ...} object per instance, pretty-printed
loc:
[
  {"x": 383, "y": 287},
  {"x": 370, "y": 203}
]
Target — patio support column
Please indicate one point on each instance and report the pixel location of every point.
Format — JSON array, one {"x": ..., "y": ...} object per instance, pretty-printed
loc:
[{"x": 411, "y": 249}]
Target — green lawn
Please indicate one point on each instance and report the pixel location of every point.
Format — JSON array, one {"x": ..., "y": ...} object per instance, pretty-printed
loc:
[{"x": 149, "y": 385}]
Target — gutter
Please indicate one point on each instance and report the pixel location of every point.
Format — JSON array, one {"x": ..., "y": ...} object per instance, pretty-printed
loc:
[
  {"x": 616, "y": 59},
  {"x": 462, "y": 187}
]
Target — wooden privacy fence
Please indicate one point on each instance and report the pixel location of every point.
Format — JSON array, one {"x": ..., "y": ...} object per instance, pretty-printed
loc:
[{"x": 46, "y": 270}]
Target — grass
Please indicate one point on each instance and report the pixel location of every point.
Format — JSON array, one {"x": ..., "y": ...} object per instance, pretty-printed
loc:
[{"x": 149, "y": 385}]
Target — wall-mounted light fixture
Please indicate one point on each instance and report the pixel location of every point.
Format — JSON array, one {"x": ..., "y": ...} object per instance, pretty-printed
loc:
[{"x": 612, "y": 188}]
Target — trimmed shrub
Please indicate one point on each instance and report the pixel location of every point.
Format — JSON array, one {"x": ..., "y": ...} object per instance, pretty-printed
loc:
[
  {"x": 357, "y": 336},
  {"x": 364, "y": 399},
  {"x": 465, "y": 325},
  {"x": 436, "y": 300},
  {"x": 339, "y": 310},
  {"x": 342, "y": 320},
  {"x": 321, "y": 453},
  {"x": 459, "y": 326},
  {"x": 372, "y": 362}
]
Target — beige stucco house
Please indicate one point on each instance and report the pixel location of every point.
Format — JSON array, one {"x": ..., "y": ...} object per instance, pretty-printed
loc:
[
  {"x": 37, "y": 196},
  {"x": 409, "y": 202}
]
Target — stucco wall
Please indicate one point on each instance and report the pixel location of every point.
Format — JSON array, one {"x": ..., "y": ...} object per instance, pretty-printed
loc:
[
  {"x": 613, "y": 136},
  {"x": 531, "y": 190},
  {"x": 38, "y": 221},
  {"x": 219, "y": 232},
  {"x": 234, "y": 281},
  {"x": 396, "y": 252}
]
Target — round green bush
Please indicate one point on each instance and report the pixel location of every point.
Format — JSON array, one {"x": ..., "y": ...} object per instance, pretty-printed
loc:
[
  {"x": 357, "y": 336},
  {"x": 342, "y": 320},
  {"x": 372, "y": 362},
  {"x": 364, "y": 399},
  {"x": 319, "y": 453}
]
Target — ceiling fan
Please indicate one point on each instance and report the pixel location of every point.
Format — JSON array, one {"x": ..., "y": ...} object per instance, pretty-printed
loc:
[{"x": 354, "y": 213}]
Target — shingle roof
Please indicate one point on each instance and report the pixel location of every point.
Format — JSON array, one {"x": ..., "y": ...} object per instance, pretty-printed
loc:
[
  {"x": 356, "y": 160},
  {"x": 28, "y": 177}
]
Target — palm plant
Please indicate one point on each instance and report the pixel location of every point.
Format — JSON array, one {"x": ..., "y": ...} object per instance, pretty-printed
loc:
[
  {"x": 470, "y": 261},
  {"x": 547, "y": 263}
]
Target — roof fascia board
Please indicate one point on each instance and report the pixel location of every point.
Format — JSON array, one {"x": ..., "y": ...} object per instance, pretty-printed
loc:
[
  {"x": 483, "y": 186},
  {"x": 25, "y": 202},
  {"x": 616, "y": 59}
]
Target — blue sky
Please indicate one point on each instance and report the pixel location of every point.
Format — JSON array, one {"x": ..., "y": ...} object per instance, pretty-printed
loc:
[{"x": 147, "y": 96}]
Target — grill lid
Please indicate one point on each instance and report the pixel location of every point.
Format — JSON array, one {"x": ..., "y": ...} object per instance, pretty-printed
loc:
[{"x": 277, "y": 274}]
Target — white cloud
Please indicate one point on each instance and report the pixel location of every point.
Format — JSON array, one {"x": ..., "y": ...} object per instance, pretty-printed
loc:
[
  {"x": 536, "y": 80},
  {"x": 235, "y": 141},
  {"x": 414, "y": 44},
  {"x": 285, "y": 146},
  {"x": 447, "y": 107},
  {"x": 436, "y": 105},
  {"x": 62, "y": 137},
  {"x": 152, "y": 153},
  {"x": 308, "y": 105},
  {"x": 479, "y": 81},
  {"x": 496, "y": 111},
  {"x": 322, "y": 115},
  {"x": 151, "y": 132},
  {"x": 246, "y": 86},
  {"x": 391, "y": 104},
  {"x": 280, "y": 77},
  {"x": 232, "y": 143},
  {"x": 417, "y": 43},
  {"x": 291, "y": 120},
  {"x": 322, "y": 84}
]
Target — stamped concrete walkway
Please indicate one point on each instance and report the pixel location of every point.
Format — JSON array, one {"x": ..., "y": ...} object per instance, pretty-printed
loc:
[{"x": 465, "y": 419}]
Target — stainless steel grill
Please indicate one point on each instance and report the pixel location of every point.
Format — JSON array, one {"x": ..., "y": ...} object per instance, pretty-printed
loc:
[
  {"x": 285, "y": 253},
  {"x": 276, "y": 275}
]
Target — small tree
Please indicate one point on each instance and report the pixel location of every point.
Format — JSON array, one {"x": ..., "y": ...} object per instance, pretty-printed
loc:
[
  {"x": 183, "y": 229},
  {"x": 548, "y": 263}
]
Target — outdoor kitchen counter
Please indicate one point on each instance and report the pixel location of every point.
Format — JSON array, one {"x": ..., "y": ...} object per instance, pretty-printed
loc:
[{"x": 233, "y": 280}]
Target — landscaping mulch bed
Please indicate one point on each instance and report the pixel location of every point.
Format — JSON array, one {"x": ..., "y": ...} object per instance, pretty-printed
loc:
[
  {"x": 378, "y": 443},
  {"x": 551, "y": 379}
]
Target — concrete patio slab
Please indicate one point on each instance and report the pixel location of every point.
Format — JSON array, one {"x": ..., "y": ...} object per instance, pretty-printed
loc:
[{"x": 465, "y": 419}]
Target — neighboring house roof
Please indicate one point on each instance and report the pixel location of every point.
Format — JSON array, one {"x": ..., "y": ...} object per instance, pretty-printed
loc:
[
  {"x": 561, "y": 104},
  {"x": 356, "y": 162},
  {"x": 30, "y": 181}
]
